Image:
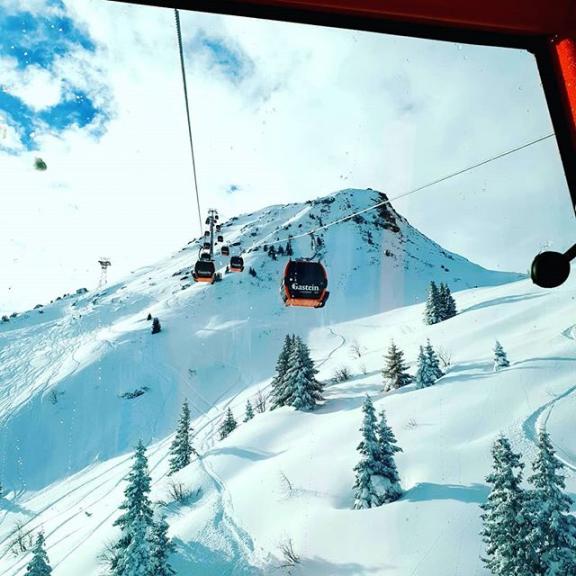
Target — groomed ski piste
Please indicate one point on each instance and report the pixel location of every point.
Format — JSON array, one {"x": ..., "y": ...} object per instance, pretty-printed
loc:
[{"x": 83, "y": 379}]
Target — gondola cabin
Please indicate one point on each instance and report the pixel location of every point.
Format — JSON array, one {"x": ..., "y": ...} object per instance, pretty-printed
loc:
[
  {"x": 204, "y": 271},
  {"x": 206, "y": 233},
  {"x": 305, "y": 284},
  {"x": 225, "y": 251},
  {"x": 206, "y": 245},
  {"x": 236, "y": 264},
  {"x": 220, "y": 238},
  {"x": 205, "y": 256}
]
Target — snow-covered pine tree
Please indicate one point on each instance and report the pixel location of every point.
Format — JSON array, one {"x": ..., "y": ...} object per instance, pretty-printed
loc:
[
  {"x": 161, "y": 546},
  {"x": 447, "y": 302},
  {"x": 387, "y": 479},
  {"x": 289, "y": 250},
  {"x": 395, "y": 375},
  {"x": 39, "y": 565},
  {"x": 505, "y": 518},
  {"x": 500, "y": 358},
  {"x": 303, "y": 390},
  {"x": 156, "y": 326},
  {"x": 181, "y": 449},
  {"x": 442, "y": 303},
  {"x": 366, "y": 492},
  {"x": 553, "y": 528},
  {"x": 433, "y": 360},
  {"x": 136, "y": 559},
  {"x": 425, "y": 375},
  {"x": 249, "y": 413},
  {"x": 279, "y": 394},
  {"x": 228, "y": 425},
  {"x": 431, "y": 312},
  {"x": 136, "y": 507}
]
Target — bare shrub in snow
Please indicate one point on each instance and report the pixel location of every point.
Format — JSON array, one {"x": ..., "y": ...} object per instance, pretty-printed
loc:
[
  {"x": 21, "y": 539},
  {"x": 356, "y": 350},
  {"x": 445, "y": 357},
  {"x": 342, "y": 374},
  {"x": 178, "y": 492},
  {"x": 411, "y": 424},
  {"x": 109, "y": 556},
  {"x": 260, "y": 402},
  {"x": 289, "y": 557},
  {"x": 287, "y": 486}
]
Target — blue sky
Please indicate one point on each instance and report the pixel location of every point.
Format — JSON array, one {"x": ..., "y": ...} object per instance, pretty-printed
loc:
[
  {"x": 40, "y": 42},
  {"x": 222, "y": 55}
]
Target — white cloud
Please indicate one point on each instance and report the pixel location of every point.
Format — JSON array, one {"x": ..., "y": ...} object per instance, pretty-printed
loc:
[{"x": 35, "y": 86}]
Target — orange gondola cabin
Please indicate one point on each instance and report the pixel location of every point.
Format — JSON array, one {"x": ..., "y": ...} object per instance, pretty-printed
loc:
[
  {"x": 236, "y": 264},
  {"x": 305, "y": 284}
]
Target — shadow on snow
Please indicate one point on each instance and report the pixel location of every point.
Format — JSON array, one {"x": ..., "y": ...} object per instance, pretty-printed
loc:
[{"x": 473, "y": 494}]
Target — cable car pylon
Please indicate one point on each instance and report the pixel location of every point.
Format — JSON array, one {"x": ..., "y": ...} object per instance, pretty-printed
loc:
[{"x": 205, "y": 269}]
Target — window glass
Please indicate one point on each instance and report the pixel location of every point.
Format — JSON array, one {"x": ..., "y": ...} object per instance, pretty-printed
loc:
[{"x": 363, "y": 427}]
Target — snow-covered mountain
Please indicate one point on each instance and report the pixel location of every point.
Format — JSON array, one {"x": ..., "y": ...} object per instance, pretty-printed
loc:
[{"x": 82, "y": 379}]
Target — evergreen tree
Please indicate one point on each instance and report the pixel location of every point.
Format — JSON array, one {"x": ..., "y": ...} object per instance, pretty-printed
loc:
[
  {"x": 228, "y": 425},
  {"x": 249, "y": 414},
  {"x": 289, "y": 250},
  {"x": 181, "y": 449},
  {"x": 431, "y": 312},
  {"x": 272, "y": 252},
  {"x": 425, "y": 375},
  {"x": 149, "y": 317},
  {"x": 387, "y": 473},
  {"x": 39, "y": 565},
  {"x": 447, "y": 303},
  {"x": 279, "y": 394},
  {"x": 366, "y": 493},
  {"x": 156, "y": 326},
  {"x": 506, "y": 523},
  {"x": 433, "y": 361},
  {"x": 136, "y": 559},
  {"x": 137, "y": 510},
  {"x": 160, "y": 549},
  {"x": 395, "y": 375},
  {"x": 303, "y": 390},
  {"x": 442, "y": 303},
  {"x": 500, "y": 358},
  {"x": 553, "y": 528}
]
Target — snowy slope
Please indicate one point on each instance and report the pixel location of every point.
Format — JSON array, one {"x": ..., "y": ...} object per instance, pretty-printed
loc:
[{"x": 66, "y": 432}]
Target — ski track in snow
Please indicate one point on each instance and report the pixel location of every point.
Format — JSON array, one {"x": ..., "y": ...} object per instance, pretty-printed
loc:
[
  {"x": 226, "y": 523},
  {"x": 539, "y": 418},
  {"x": 332, "y": 352}
]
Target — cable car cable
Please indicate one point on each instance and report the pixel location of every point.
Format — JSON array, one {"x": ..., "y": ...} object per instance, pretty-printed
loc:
[
  {"x": 181, "y": 50},
  {"x": 403, "y": 195}
]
